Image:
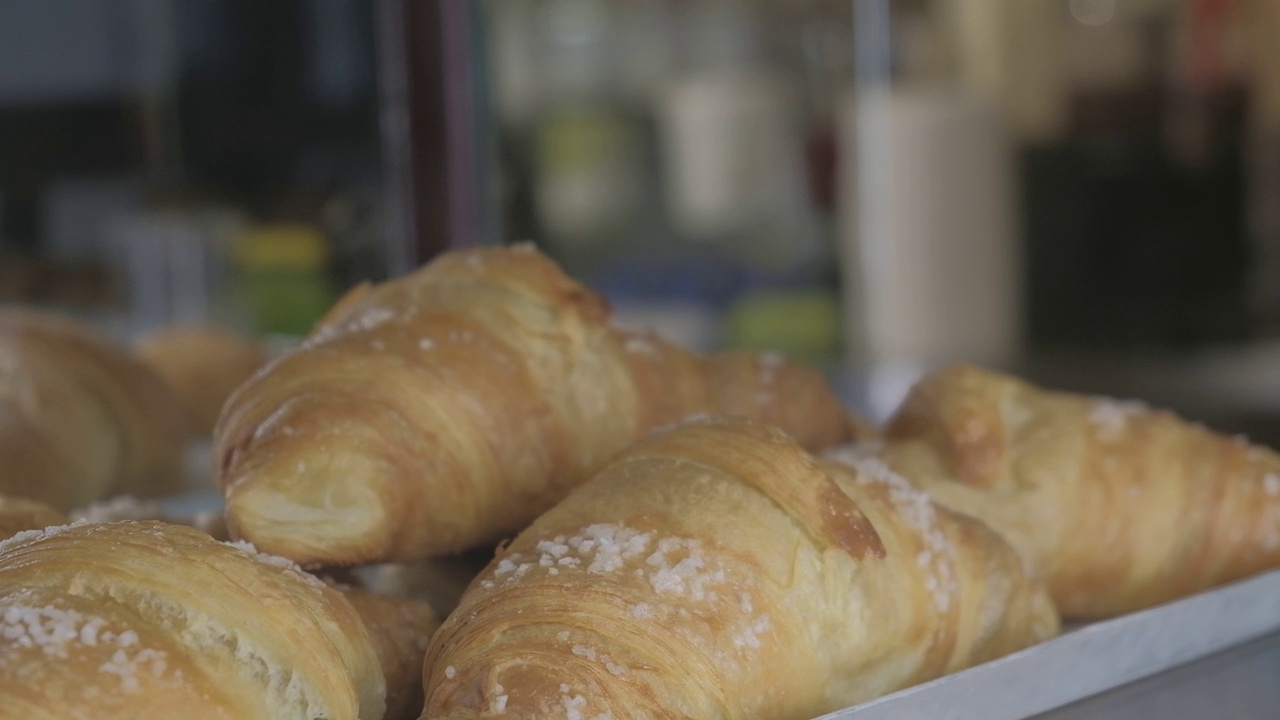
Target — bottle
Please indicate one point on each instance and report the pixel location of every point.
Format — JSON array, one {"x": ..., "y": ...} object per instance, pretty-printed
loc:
[
  {"x": 588, "y": 156},
  {"x": 928, "y": 223},
  {"x": 282, "y": 277}
]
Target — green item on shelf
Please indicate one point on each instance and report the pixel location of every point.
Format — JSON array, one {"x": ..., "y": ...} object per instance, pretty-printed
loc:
[
  {"x": 802, "y": 323},
  {"x": 282, "y": 277}
]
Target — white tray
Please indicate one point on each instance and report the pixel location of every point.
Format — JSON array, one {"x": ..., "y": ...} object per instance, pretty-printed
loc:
[{"x": 1088, "y": 661}]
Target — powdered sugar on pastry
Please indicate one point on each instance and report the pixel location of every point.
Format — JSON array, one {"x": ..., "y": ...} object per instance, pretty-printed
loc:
[
  {"x": 26, "y": 535},
  {"x": 279, "y": 562},
  {"x": 748, "y": 635},
  {"x": 1110, "y": 416},
  {"x": 680, "y": 568},
  {"x": 683, "y": 577},
  {"x": 642, "y": 611},
  {"x": 640, "y": 345},
  {"x": 601, "y": 548},
  {"x": 590, "y": 653},
  {"x": 54, "y": 630},
  {"x": 914, "y": 506},
  {"x": 768, "y": 363},
  {"x": 370, "y": 318},
  {"x": 852, "y": 453},
  {"x": 575, "y": 705},
  {"x": 127, "y": 667},
  {"x": 57, "y": 632},
  {"x": 673, "y": 565}
]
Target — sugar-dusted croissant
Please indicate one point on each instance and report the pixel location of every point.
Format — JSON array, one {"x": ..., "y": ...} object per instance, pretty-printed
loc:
[
  {"x": 80, "y": 418},
  {"x": 148, "y": 621},
  {"x": 1121, "y": 506},
  {"x": 439, "y": 411},
  {"x": 400, "y": 630},
  {"x": 19, "y": 514},
  {"x": 716, "y": 570},
  {"x": 202, "y": 364}
]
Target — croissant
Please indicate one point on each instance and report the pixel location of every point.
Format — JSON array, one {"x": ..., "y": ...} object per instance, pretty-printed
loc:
[
  {"x": 717, "y": 570},
  {"x": 400, "y": 630},
  {"x": 1120, "y": 506},
  {"x": 143, "y": 620},
  {"x": 81, "y": 418},
  {"x": 436, "y": 412},
  {"x": 203, "y": 365},
  {"x": 19, "y": 514}
]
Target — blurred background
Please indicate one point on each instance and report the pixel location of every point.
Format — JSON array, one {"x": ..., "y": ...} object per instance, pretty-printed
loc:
[{"x": 1083, "y": 191}]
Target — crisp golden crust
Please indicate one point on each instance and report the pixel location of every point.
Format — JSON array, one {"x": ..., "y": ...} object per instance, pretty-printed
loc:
[
  {"x": 19, "y": 514},
  {"x": 148, "y": 620},
  {"x": 203, "y": 365},
  {"x": 685, "y": 580},
  {"x": 1120, "y": 505},
  {"x": 81, "y": 418},
  {"x": 437, "y": 412}
]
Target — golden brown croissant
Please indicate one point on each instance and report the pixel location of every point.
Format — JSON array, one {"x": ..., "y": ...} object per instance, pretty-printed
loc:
[
  {"x": 81, "y": 418},
  {"x": 1121, "y": 506},
  {"x": 716, "y": 570},
  {"x": 203, "y": 365},
  {"x": 143, "y": 620},
  {"x": 436, "y": 412},
  {"x": 19, "y": 514},
  {"x": 400, "y": 630}
]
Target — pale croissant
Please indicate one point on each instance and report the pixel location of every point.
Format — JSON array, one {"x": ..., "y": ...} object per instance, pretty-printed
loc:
[
  {"x": 1120, "y": 505},
  {"x": 148, "y": 621},
  {"x": 203, "y": 364},
  {"x": 439, "y": 411},
  {"x": 81, "y": 419},
  {"x": 20, "y": 514},
  {"x": 717, "y": 570}
]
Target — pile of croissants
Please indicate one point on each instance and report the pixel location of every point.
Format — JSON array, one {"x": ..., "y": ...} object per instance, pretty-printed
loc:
[{"x": 677, "y": 536}]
